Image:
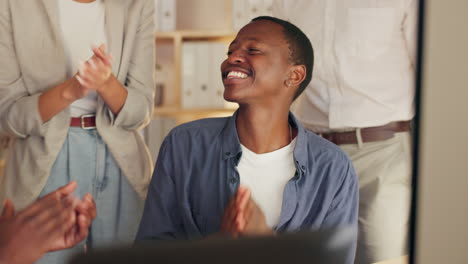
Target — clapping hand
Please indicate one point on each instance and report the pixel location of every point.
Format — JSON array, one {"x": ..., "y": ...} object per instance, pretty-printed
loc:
[
  {"x": 95, "y": 72},
  {"x": 243, "y": 217},
  {"x": 56, "y": 221}
]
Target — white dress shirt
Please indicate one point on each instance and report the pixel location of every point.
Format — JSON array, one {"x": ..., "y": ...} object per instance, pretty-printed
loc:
[
  {"x": 364, "y": 61},
  {"x": 82, "y": 25}
]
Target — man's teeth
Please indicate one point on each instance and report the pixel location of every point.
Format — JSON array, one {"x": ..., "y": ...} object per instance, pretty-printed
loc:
[{"x": 234, "y": 74}]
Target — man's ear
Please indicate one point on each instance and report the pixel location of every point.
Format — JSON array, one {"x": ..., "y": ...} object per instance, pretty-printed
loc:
[{"x": 297, "y": 74}]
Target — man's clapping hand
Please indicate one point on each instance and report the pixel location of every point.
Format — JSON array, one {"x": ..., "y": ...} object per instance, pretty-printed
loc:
[{"x": 243, "y": 217}]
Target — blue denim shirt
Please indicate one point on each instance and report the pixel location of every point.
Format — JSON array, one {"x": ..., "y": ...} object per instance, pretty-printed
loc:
[{"x": 195, "y": 177}]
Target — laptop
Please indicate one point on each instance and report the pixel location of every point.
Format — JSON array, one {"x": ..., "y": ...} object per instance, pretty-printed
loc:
[{"x": 330, "y": 247}]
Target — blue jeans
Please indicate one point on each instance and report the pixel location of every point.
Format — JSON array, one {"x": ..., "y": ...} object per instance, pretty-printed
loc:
[{"x": 85, "y": 158}]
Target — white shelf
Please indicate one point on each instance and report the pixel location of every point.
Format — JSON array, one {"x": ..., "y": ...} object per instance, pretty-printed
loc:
[{"x": 196, "y": 35}]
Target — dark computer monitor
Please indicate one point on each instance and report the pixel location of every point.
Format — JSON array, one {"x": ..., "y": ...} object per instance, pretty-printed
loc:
[{"x": 330, "y": 247}]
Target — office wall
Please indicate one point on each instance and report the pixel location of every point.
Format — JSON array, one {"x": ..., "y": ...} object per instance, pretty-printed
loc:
[{"x": 442, "y": 209}]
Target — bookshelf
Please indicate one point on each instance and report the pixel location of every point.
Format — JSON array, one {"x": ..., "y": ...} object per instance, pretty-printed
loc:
[{"x": 196, "y": 21}]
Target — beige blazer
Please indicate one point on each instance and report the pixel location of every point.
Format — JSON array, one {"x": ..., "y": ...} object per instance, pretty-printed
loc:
[{"x": 32, "y": 61}]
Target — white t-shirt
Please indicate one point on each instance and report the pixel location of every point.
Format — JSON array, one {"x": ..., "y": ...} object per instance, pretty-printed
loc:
[
  {"x": 266, "y": 175},
  {"x": 364, "y": 65},
  {"x": 82, "y": 25}
]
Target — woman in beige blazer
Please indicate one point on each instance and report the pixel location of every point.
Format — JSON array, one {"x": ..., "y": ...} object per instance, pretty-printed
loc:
[{"x": 40, "y": 94}]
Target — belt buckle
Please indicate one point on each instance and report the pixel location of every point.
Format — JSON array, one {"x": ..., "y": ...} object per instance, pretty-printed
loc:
[{"x": 83, "y": 125}]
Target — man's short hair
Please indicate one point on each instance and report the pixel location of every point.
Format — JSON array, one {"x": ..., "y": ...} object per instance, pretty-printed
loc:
[{"x": 300, "y": 48}]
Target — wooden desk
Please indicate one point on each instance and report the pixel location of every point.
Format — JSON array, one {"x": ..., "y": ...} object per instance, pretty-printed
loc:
[{"x": 400, "y": 260}]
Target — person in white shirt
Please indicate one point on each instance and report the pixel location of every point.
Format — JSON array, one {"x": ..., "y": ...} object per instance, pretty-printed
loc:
[
  {"x": 361, "y": 98},
  {"x": 76, "y": 86}
]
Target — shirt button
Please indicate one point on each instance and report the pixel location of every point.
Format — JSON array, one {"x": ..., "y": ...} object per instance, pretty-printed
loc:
[
  {"x": 233, "y": 180},
  {"x": 303, "y": 167}
]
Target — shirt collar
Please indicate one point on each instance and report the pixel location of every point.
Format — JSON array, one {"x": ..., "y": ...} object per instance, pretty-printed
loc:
[
  {"x": 301, "y": 155},
  {"x": 231, "y": 143}
]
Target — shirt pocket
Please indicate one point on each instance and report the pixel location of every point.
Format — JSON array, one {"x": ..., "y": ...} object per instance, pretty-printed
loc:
[{"x": 370, "y": 31}]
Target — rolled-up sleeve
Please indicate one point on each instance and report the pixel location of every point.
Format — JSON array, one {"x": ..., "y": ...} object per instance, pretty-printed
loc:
[
  {"x": 19, "y": 111},
  {"x": 138, "y": 107},
  {"x": 344, "y": 207},
  {"x": 343, "y": 211}
]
